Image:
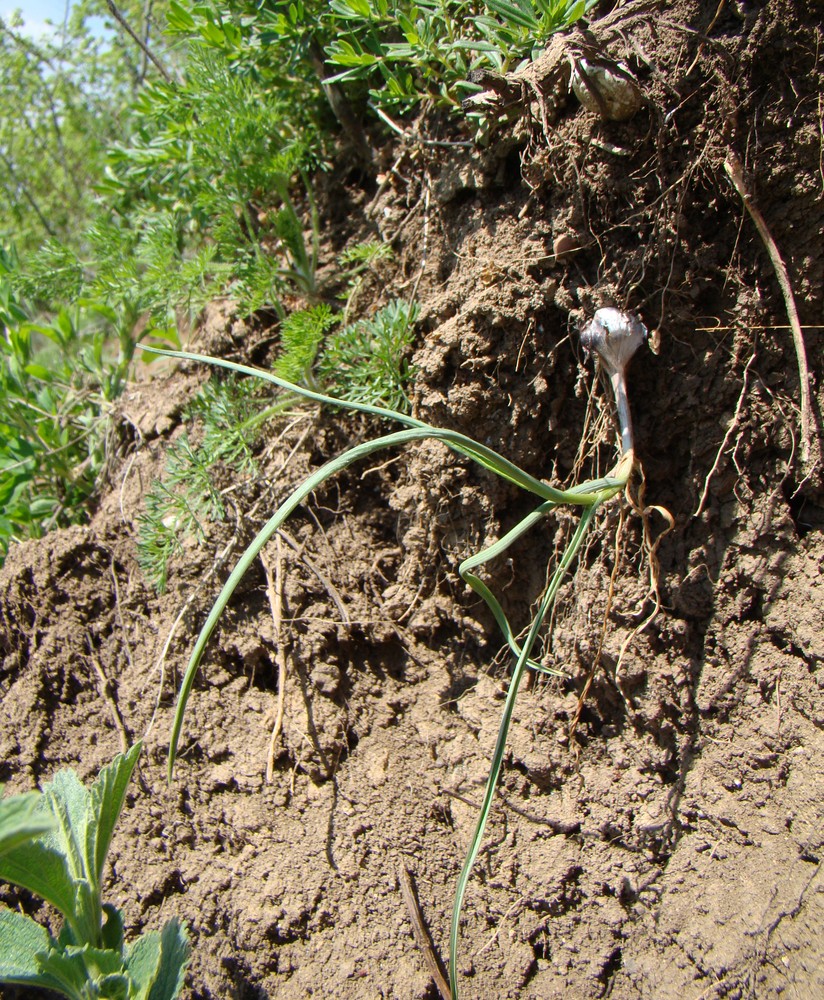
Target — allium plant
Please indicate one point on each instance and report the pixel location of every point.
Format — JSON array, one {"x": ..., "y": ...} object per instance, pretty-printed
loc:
[{"x": 614, "y": 336}]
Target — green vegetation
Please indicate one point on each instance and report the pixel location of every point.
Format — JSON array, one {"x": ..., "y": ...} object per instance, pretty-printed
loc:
[
  {"x": 142, "y": 180},
  {"x": 364, "y": 361},
  {"x": 588, "y": 497},
  {"x": 412, "y": 51},
  {"x": 200, "y": 182},
  {"x": 185, "y": 501},
  {"x": 55, "y": 844}
]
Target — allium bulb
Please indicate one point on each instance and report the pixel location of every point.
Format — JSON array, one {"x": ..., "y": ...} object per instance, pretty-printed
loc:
[{"x": 607, "y": 89}]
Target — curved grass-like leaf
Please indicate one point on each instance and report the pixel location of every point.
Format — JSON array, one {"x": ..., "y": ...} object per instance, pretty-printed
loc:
[
  {"x": 588, "y": 496},
  {"x": 251, "y": 553},
  {"x": 418, "y": 430},
  {"x": 484, "y": 456},
  {"x": 503, "y": 731}
]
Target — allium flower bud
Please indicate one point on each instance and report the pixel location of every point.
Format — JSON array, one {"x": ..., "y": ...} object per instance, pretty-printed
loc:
[{"x": 615, "y": 336}]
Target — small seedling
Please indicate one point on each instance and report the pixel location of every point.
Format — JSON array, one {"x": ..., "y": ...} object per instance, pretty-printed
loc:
[{"x": 55, "y": 844}]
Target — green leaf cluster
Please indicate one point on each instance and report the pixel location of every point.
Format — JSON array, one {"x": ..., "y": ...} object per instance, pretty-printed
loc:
[
  {"x": 425, "y": 49},
  {"x": 55, "y": 844},
  {"x": 59, "y": 376},
  {"x": 405, "y": 51},
  {"x": 367, "y": 361}
]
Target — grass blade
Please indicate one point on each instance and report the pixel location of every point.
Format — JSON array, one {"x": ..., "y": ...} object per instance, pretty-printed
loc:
[{"x": 278, "y": 518}]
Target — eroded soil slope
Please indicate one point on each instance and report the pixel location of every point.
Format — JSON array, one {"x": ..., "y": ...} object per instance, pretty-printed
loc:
[{"x": 671, "y": 846}]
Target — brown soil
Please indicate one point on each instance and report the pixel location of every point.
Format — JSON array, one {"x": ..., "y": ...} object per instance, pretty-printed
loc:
[{"x": 672, "y": 847}]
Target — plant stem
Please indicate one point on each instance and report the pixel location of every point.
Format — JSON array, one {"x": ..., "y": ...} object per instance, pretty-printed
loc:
[
  {"x": 117, "y": 14},
  {"x": 619, "y": 388}
]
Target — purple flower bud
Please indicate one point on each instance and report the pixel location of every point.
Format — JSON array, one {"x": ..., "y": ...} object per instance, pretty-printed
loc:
[{"x": 615, "y": 336}]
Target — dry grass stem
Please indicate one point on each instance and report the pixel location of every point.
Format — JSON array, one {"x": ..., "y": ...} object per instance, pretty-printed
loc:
[
  {"x": 421, "y": 932},
  {"x": 810, "y": 456},
  {"x": 105, "y": 687},
  {"x": 274, "y": 591}
]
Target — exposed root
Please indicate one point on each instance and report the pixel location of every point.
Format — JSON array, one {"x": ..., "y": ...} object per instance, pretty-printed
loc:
[
  {"x": 619, "y": 538},
  {"x": 735, "y": 424},
  {"x": 651, "y": 543}
]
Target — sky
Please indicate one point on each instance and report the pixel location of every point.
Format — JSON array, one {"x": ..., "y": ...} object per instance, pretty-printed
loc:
[{"x": 35, "y": 13}]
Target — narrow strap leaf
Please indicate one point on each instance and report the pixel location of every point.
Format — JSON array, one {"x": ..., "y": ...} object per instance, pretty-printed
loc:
[
  {"x": 486, "y": 457},
  {"x": 483, "y": 590},
  {"x": 251, "y": 553},
  {"x": 503, "y": 731}
]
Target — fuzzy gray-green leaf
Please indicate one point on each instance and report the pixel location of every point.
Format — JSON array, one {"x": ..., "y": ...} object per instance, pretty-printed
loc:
[
  {"x": 42, "y": 869},
  {"x": 69, "y": 801},
  {"x": 21, "y": 819},
  {"x": 27, "y": 958},
  {"x": 108, "y": 794},
  {"x": 174, "y": 957},
  {"x": 143, "y": 963}
]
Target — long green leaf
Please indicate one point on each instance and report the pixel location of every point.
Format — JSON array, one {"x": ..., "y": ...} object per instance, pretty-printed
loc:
[
  {"x": 460, "y": 443},
  {"x": 418, "y": 430},
  {"x": 603, "y": 488},
  {"x": 491, "y": 553},
  {"x": 503, "y": 731},
  {"x": 515, "y": 13},
  {"x": 251, "y": 553},
  {"x": 70, "y": 802},
  {"x": 68, "y": 799}
]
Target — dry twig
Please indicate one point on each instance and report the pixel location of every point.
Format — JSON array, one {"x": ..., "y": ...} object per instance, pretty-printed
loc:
[
  {"x": 274, "y": 591},
  {"x": 105, "y": 687},
  {"x": 421, "y": 932},
  {"x": 810, "y": 457}
]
